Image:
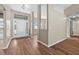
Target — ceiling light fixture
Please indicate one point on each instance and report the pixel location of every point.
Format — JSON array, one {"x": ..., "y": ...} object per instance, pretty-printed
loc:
[{"x": 24, "y": 6}]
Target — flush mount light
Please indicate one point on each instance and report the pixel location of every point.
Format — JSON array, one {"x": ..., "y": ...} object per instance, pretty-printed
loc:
[{"x": 24, "y": 6}]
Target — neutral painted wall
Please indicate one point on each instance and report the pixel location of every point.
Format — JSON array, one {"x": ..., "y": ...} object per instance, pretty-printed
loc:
[
  {"x": 43, "y": 37},
  {"x": 8, "y": 26},
  {"x": 57, "y": 28},
  {"x": 43, "y": 33}
]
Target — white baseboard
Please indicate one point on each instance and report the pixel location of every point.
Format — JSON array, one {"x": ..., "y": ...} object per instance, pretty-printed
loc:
[
  {"x": 43, "y": 43},
  {"x": 9, "y": 42},
  {"x": 53, "y": 43},
  {"x": 38, "y": 41},
  {"x": 57, "y": 42}
]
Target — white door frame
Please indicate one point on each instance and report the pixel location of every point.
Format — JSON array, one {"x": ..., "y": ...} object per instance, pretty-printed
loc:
[
  {"x": 71, "y": 26},
  {"x": 13, "y": 12}
]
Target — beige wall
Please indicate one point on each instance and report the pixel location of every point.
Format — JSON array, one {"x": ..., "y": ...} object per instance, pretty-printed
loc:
[
  {"x": 8, "y": 26},
  {"x": 56, "y": 26},
  {"x": 43, "y": 37},
  {"x": 43, "y": 33}
]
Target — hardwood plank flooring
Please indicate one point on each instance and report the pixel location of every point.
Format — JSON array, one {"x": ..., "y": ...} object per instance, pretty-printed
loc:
[{"x": 26, "y": 46}]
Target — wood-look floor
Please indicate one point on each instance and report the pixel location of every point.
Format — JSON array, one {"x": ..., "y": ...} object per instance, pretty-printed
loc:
[{"x": 26, "y": 46}]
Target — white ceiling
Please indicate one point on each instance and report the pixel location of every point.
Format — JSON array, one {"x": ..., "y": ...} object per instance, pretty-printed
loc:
[
  {"x": 27, "y": 8},
  {"x": 33, "y": 7},
  {"x": 61, "y": 7}
]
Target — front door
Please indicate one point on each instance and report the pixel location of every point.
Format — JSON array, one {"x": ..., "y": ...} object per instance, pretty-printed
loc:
[{"x": 20, "y": 26}]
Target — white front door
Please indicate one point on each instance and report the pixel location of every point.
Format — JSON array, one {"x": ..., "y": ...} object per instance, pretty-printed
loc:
[{"x": 20, "y": 27}]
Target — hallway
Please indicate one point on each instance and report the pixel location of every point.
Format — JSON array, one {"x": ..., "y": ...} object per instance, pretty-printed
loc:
[{"x": 47, "y": 23}]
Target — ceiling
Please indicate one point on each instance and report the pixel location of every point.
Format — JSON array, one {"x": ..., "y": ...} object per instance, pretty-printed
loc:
[
  {"x": 61, "y": 7},
  {"x": 33, "y": 7},
  {"x": 27, "y": 8}
]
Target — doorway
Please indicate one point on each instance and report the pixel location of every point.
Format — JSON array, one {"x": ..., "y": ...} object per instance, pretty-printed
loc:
[
  {"x": 74, "y": 26},
  {"x": 20, "y": 25}
]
